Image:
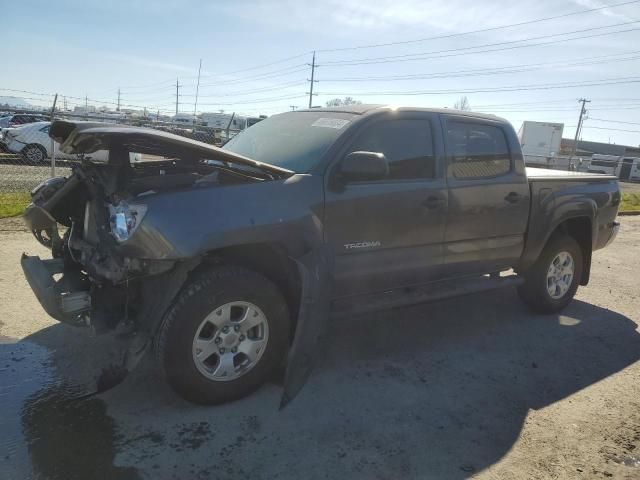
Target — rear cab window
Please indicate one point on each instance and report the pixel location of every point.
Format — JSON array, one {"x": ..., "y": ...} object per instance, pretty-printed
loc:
[{"x": 477, "y": 150}]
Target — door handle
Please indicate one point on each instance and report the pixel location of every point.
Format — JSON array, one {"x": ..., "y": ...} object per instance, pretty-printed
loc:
[
  {"x": 513, "y": 197},
  {"x": 433, "y": 202}
]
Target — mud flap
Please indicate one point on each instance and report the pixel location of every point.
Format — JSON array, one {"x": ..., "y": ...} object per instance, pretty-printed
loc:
[{"x": 316, "y": 272}]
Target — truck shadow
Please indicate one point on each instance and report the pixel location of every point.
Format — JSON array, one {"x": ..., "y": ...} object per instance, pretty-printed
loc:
[{"x": 436, "y": 391}]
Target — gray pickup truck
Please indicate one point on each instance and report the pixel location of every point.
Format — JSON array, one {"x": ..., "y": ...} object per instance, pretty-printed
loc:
[{"x": 229, "y": 263}]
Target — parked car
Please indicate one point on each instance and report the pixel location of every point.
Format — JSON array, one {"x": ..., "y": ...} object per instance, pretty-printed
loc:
[
  {"x": 33, "y": 142},
  {"x": 19, "y": 119},
  {"x": 220, "y": 257}
]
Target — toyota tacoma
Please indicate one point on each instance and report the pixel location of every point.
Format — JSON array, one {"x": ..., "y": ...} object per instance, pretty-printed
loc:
[{"x": 229, "y": 262}]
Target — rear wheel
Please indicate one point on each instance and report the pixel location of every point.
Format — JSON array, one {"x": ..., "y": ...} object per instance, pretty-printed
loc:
[
  {"x": 551, "y": 283},
  {"x": 225, "y": 336},
  {"x": 34, "y": 154}
]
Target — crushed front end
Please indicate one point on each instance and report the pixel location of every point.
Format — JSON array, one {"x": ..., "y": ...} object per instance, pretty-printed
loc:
[
  {"x": 102, "y": 274},
  {"x": 88, "y": 281}
]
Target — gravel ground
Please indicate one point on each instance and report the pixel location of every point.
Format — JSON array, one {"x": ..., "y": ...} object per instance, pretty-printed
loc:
[
  {"x": 476, "y": 387},
  {"x": 630, "y": 187}
]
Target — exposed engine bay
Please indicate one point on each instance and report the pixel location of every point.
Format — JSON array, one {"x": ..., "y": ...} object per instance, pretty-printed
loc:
[{"x": 84, "y": 219}]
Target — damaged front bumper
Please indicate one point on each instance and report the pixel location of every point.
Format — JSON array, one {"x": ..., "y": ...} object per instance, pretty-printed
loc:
[{"x": 58, "y": 298}]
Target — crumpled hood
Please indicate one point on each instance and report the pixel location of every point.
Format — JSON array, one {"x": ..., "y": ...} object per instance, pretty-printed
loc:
[{"x": 88, "y": 137}]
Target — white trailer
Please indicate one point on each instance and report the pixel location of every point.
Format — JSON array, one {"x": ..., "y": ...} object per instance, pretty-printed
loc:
[
  {"x": 224, "y": 121},
  {"x": 540, "y": 142}
]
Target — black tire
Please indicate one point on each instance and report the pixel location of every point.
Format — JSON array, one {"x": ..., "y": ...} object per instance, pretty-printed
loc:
[
  {"x": 534, "y": 291},
  {"x": 34, "y": 154},
  {"x": 201, "y": 296}
]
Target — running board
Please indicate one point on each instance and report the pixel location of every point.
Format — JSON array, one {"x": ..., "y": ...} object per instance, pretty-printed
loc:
[{"x": 430, "y": 292}]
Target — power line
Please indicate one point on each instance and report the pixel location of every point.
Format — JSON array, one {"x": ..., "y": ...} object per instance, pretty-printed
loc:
[
  {"x": 553, "y": 102},
  {"x": 26, "y": 91},
  {"x": 482, "y": 30},
  {"x": 166, "y": 88},
  {"x": 507, "y": 88},
  {"x": 257, "y": 67},
  {"x": 493, "y": 71},
  {"x": 614, "y": 121},
  {"x": 250, "y": 92},
  {"x": 613, "y": 129},
  {"x": 537, "y": 110},
  {"x": 167, "y": 84},
  {"x": 265, "y": 76},
  {"x": 424, "y": 55},
  {"x": 261, "y": 100}
]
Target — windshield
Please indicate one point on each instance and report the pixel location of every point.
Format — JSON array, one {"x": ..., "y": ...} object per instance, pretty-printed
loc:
[{"x": 294, "y": 140}]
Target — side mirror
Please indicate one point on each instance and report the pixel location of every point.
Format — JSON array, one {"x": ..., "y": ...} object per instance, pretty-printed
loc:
[{"x": 364, "y": 166}]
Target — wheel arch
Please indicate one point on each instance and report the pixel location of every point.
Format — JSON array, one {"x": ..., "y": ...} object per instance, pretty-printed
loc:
[
  {"x": 580, "y": 228},
  {"x": 269, "y": 259}
]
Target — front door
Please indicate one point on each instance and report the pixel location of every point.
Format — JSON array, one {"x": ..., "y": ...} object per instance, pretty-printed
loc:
[{"x": 388, "y": 233}]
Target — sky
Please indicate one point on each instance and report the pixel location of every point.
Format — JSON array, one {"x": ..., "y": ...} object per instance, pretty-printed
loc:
[{"x": 256, "y": 54}]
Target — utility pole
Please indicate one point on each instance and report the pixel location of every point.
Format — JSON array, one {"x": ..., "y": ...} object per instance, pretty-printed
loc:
[
  {"x": 86, "y": 106},
  {"x": 53, "y": 108},
  {"x": 53, "y": 145},
  {"x": 118, "y": 108},
  {"x": 293, "y": 107},
  {"x": 583, "y": 110},
  {"x": 312, "y": 81},
  {"x": 195, "y": 105},
  {"x": 177, "y": 94}
]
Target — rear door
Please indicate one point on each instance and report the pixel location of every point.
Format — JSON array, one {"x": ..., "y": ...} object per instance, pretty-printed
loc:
[
  {"x": 488, "y": 196},
  {"x": 388, "y": 233}
]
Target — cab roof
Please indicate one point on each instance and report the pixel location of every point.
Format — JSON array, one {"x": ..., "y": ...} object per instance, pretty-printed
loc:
[{"x": 372, "y": 108}]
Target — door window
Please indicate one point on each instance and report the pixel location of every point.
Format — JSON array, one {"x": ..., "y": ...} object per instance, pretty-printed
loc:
[
  {"x": 477, "y": 150},
  {"x": 407, "y": 144}
]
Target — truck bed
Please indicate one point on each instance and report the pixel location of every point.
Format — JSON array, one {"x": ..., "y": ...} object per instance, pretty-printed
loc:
[
  {"x": 534, "y": 173},
  {"x": 557, "y": 195}
]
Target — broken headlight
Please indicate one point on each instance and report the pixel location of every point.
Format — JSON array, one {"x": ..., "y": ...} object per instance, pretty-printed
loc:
[{"x": 124, "y": 219}]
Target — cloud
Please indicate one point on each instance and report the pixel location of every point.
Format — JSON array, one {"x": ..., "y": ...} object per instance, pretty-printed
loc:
[
  {"x": 343, "y": 16},
  {"x": 607, "y": 12},
  {"x": 148, "y": 63}
]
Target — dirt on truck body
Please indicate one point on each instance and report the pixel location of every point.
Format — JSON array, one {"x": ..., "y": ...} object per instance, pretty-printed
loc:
[{"x": 230, "y": 261}]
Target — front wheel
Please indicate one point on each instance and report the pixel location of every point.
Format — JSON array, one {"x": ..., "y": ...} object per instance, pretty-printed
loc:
[
  {"x": 34, "y": 154},
  {"x": 551, "y": 283},
  {"x": 225, "y": 336}
]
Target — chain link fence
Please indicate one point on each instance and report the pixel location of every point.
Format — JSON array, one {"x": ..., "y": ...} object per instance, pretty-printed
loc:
[{"x": 28, "y": 156}]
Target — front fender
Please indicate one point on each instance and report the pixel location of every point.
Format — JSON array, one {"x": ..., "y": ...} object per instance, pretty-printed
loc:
[{"x": 184, "y": 224}]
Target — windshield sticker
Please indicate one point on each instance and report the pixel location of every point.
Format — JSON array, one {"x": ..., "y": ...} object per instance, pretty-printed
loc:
[{"x": 336, "y": 123}]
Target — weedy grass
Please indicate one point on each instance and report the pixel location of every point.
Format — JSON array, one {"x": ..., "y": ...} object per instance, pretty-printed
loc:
[
  {"x": 630, "y": 202},
  {"x": 13, "y": 203}
]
